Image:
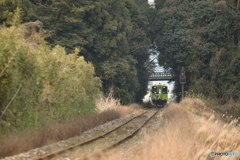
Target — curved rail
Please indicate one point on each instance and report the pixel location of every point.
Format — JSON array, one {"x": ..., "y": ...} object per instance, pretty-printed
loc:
[
  {"x": 98, "y": 153},
  {"x": 50, "y": 155}
]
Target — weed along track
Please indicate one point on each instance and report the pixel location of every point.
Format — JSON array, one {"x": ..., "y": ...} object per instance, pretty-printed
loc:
[{"x": 103, "y": 141}]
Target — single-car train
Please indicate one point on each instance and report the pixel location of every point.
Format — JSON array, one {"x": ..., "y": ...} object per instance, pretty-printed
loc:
[{"x": 159, "y": 94}]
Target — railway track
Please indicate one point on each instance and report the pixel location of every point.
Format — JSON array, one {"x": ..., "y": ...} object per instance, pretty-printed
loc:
[{"x": 139, "y": 121}]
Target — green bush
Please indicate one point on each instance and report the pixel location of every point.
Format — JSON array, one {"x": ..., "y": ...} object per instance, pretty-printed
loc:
[{"x": 54, "y": 86}]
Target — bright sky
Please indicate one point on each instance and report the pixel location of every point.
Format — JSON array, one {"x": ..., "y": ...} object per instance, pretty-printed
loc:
[{"x": 150, "y": 1}]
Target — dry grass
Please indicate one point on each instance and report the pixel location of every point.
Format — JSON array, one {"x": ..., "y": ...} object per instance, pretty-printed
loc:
[
  {"x": 203, "y": 107},
  {"x": 11, "y": 145},
  {"x": 108, "y": 110},
  {"x": 108, "y": 101},
  {"x": 197, "y": 106},
  {"x": 185, "y": 136}
]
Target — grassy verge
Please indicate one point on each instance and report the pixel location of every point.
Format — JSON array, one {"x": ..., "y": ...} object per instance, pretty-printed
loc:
[
  {"x": 209, "y": 107},
  {"x": 24, "y": 141},
  {"x": 187, "y": 136},
  {"x": 228, "y": 111}
]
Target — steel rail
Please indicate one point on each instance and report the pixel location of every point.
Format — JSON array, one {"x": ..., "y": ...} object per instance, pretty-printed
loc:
[
  {"x": 98, "y": 153},
  {"x": 50, "y": 155}
]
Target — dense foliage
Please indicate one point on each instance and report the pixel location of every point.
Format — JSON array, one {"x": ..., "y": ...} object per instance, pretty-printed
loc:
[
  {"x": 54, "y": 50},
  {"x": 52, "y": 83},
  {"x": 111, "y": 34},
  {"x": 203, "y": 37}
]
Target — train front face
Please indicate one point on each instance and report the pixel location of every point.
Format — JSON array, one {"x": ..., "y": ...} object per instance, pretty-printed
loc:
[{"x": 159, "y": 94}]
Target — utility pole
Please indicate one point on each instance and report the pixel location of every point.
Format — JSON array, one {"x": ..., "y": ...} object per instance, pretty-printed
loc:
[
  {"x": 182, "y": 80},
  {"x": 182, "y": 91}
]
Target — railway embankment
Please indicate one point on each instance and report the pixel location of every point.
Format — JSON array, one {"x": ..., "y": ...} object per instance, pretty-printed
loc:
[
  {"x": 187, "y": 130},
  {"x": 149, "y": 127},
  {"x": 108, "y": 109},
  {"x": 186, "y": 134}
]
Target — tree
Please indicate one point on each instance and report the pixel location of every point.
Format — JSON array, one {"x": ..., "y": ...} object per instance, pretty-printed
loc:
[
  {"x": 200, "y": 37},
  {"x": 108, "y": 33}
]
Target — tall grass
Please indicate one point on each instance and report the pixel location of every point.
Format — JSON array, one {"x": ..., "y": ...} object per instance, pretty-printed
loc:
[
  {"x": 108, "y": 102},
  {"x": 108, "y": 109},
  {"x": 14, "y": 144},
  {"x": 225, "y": 111},
  {"x": 185, "y": 136}
]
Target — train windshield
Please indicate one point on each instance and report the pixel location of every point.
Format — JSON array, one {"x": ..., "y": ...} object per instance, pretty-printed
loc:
[
  {"x": 154, "y": 89},
  {"x": 164, "y": 90}
]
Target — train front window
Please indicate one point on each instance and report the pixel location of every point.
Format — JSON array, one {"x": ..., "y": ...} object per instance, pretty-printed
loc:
[
  {"x": 154, "y": 89},
  {"x": 164, "y": 90}
]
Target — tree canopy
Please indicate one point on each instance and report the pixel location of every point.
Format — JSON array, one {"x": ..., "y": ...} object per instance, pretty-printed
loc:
[
  {"x": 113, "y": 35},
  {"x": 203, "y": 37}
]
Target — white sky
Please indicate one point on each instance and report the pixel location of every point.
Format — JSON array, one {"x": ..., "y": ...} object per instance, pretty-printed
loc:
[{"x": 150, "y": 1}]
